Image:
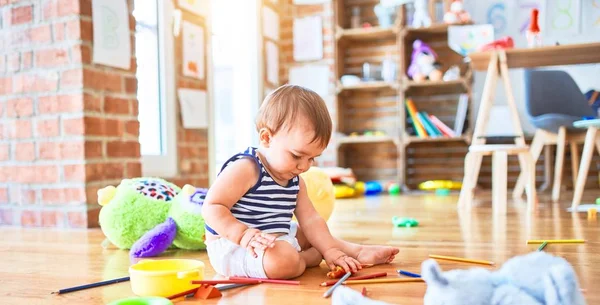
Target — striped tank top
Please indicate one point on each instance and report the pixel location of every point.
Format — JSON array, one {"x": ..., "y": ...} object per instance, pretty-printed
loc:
[{"x": 267, "y": 206}]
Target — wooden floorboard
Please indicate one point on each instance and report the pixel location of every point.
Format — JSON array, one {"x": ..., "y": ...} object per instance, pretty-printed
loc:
[{"x": 35, "y": 262}]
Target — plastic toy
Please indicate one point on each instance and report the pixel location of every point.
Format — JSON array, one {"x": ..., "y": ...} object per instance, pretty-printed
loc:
[
  {"x": 320, "y": 190},
  {"x": 423, "y": 63},
  {"x": 149, "y": 215},
  {"x": 373, "y": 188},
  {"x": 533, "y": 34},
  {"x": 502, "y": 43},
  {"x": 421, "y": 16},
  {"x": 165, "y": 277},
  {"x": 142, "y": 301},
  {"x": 535, "y": 278},
  {"x": 394, "y": 189},
  {"x": 404, "y": 222},
  {"x": 457, "y": 13},
  {"x": 431, "y": 185},
  {"x": 442, "y": 192}
]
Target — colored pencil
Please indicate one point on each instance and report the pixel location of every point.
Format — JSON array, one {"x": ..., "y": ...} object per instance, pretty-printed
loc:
[
  {"x": 389, "y": 280},
  {"x": 542, "y": 246},
  {"x": 190, "y": 293},
  {"x": 215, "y": 282},
  {"x": 330, "y": 290},
  {"x": 556, "y": 241},
  {"x": 408, "y": 273},
  {"x": 92, "y": 285},
  {"x": 459, "y": 259},
  {"x": 270, "y": 281},
  {"x": 362, "y": 277}
]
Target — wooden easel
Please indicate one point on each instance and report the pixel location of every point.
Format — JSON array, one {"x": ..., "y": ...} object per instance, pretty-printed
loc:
[{"x": 497, "y": 67}]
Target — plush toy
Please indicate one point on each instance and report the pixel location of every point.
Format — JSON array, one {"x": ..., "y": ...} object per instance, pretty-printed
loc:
[
  {"x": 150, "y": 215},
  {"x": 421, "y": 15},
  {"x": 423, "y": 63},
  {"x": 537, "y": 278},
  {"x": 457, "y": 13}
]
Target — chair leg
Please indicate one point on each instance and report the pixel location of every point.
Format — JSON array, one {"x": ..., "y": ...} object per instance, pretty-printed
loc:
[
  {"x": 547, "y": 167},
  {"x": 586, "y": 159},
  {"x": 574, "y": 161},
  {"x": 465, "y": 199},
  {"x": 532, "y": 199},
  {"x": 536, "y": 149},
  {"x": 499, "y": 181},
  {"x": 558, "y": 164}
]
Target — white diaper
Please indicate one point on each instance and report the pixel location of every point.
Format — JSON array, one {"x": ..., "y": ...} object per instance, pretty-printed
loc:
[{"x": 229, "y": 259}]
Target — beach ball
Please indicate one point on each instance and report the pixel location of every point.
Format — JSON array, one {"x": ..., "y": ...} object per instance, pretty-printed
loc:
[{"x": 320, "y": 191}]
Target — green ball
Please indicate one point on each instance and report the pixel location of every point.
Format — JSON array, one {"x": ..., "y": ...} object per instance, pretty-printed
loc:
[
  {"x": 394, "y": 189},
  {"x": 597, "y": 200}
]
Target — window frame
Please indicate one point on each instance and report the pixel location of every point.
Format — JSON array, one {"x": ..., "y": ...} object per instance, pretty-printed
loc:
[{"x": 165, "y": 165}]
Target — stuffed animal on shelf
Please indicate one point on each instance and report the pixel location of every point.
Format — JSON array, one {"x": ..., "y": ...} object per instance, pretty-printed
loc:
[
  {"x": 151, "y": 215},
  {"x": 421, "y": 15},
  {"x": 537, "y": 278},
  {"x": 423, "y": 63},
  {"x": 457, "y": 13}
]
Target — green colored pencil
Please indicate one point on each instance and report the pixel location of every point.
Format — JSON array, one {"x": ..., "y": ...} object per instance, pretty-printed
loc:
[{"x": 542, "y": 246}]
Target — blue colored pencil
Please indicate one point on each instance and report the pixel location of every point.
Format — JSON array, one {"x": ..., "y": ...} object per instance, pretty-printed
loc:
[
  {"x": 330, "y": 291},
  {"x": 408, "y": 273}
]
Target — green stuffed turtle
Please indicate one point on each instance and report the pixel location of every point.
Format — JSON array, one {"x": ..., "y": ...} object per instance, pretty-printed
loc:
[{"x": 150, "y": 215}]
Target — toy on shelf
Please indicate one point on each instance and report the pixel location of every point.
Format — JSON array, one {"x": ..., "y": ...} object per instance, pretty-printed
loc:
[
  {"x": 502, "y": 43},
  {"x": 457, "y": 13},
  {"x": 423, "y": 63},
  {"x": 534, "y": 36},
  {"x": 373, "y": 188},
  {"x": 421, "y": 15},
  {"x": 432, "y": 185},
  {"x": 150, "y": 215}
]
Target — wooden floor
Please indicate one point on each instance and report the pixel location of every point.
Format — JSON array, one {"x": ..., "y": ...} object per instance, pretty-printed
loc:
[{"x": 33, "y": 263}]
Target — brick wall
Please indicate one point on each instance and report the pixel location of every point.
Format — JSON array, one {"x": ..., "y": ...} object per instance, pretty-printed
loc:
[
  {"x": 288, "y": 12},
  {"x": 68, "y": 127},
  {"x": 192, "y": 144}
]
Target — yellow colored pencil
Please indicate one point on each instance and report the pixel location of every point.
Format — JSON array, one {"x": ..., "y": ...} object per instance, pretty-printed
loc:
[
  {"x": 556, "y": 241},
  {"x": 459, "y": 259},
  {"x": 388, "y": 280}
]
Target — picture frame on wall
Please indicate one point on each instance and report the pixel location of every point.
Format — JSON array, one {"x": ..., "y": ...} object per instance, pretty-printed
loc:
[{"x": 193, "y": 48}]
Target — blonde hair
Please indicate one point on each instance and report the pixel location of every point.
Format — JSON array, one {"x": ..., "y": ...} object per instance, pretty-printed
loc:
[{"x": 282, "y": 106}]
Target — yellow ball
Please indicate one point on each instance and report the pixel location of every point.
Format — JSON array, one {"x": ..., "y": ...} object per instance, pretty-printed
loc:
[{"x": 320, "y": 191}]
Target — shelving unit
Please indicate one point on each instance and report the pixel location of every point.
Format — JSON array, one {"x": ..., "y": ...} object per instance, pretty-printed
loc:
[{"x": 378, "y": 105}]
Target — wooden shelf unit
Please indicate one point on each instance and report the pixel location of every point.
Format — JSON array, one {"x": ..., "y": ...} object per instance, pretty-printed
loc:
[{"x": 378, "y": 105}]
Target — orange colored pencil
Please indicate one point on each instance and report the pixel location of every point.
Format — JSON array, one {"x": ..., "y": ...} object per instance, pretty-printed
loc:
[
  {"x": 235, "y": 278},
  {"x": 388, "y": 280},
  {"x": 459, "y": 259},
  {"x": 362, "y": 277}
]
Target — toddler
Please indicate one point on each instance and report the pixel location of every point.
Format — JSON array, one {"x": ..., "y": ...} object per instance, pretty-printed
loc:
[{"x": 248, "y": 210}]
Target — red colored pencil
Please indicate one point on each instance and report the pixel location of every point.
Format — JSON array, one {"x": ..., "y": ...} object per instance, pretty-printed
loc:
[
  {"x": 215, "y": 282},
  {"x": 234, "y": 278},
  {"x": 362, "y": 277}
]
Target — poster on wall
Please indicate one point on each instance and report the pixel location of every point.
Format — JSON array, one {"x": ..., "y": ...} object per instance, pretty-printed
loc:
[
  {"x": 314, "y": 77},
  {"x": 270, "y": 23},
  {"x": 272, "y": 60},
  {"x": 193, "y": 50},
  {"x": 194, "y": 110},
  {"x": 308, "y": 38},
  {"x": 591, "y": 17},
  {"x": 198, "y": 7},
  {"x": 563, "y": 17},
  {"x": 112, "y": 40}
]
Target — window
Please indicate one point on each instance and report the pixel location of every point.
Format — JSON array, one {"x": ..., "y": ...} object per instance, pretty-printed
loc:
[{"x": 156, "y": 87}]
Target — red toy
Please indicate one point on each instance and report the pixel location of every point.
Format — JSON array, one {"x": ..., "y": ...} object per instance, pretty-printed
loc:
[{"x": 502, "y": 43}]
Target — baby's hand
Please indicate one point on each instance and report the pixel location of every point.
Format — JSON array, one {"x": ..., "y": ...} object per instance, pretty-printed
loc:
[
  {"x": 254, "y": 239},
  {"x": 334, "y": 257}
]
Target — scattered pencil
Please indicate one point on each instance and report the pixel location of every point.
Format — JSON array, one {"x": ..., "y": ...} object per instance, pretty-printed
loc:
[
  {"x": 542, "y": 246},
  {"x": 270, "y": 281},
  {"x": 215, "y": 282},
  {"x": 364, "y": 291},
  {"x": 390, "y": 280},
  {"x": 408, "y": 273},
  {"x": 92, "y": 285},
  {"x": 330, "y": 290},
  {"x": 556, "y": 241},
  {"x": 362, "y": 277},
  {"x": 459, "y": 259}
]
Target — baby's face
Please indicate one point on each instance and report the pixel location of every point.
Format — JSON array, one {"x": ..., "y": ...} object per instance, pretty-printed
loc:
[{"x": 290, "y": 152}]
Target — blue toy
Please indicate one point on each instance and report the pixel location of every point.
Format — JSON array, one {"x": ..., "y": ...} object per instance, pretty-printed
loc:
[
  {"x": 537, "y": 278},
  {"x": 373, "y": 188}
]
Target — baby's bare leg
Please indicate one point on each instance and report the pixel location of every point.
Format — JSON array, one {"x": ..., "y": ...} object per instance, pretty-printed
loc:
[
  {"x": 365, "y": 254},
  {"x": 283, "y": 261},
  {"x": 311, "y": 257}
]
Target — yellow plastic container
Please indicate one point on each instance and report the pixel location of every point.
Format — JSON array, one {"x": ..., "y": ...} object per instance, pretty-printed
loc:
[{"x": 165, "y": 277}]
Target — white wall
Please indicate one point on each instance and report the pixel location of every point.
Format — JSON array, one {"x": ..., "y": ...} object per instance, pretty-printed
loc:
[{"x": 509, "y": 17}]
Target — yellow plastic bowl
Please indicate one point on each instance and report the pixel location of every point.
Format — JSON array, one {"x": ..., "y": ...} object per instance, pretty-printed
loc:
[{"x": 165, "y": 277}]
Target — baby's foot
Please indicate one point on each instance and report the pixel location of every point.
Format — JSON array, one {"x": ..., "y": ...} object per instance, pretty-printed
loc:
[{"x": 376, "y": 254}]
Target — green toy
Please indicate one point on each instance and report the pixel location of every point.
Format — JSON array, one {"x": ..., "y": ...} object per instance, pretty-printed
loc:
[
  {"x": 597, "y": 200},
  {"x": 150, "y": 215},
  {"x": 142, "y": 301},
  {"x": 404, "y": 222}
]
